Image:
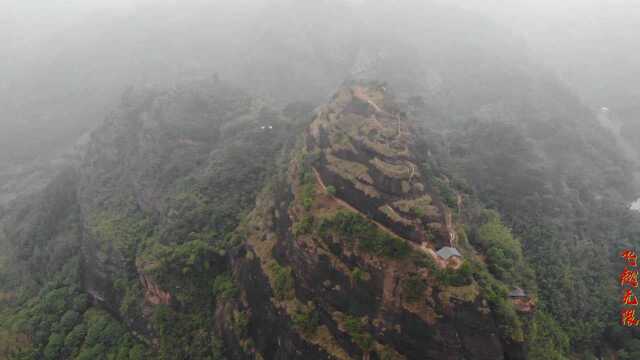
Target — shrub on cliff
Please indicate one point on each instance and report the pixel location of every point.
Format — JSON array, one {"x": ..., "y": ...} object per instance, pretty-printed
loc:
[
  {"x": 306, "y": 318},
  {"x": 413, "y": 287},
  {"x": 283, "y": 281},
  {"x": 223, "y": 287},
  {"x": 351, "y": 226}
]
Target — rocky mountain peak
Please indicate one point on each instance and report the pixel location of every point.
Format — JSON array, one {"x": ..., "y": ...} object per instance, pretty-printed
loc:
[{"x": 367, "y": 153}]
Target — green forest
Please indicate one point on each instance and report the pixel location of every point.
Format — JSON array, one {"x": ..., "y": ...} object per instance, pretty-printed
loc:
[{"x": 342, "y": 180}]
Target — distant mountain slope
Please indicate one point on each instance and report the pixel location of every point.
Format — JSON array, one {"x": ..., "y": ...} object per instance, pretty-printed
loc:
[{"x": 162, "y": 184}]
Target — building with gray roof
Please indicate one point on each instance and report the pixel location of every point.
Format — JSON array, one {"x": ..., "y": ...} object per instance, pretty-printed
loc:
[{"x": 447, "y": 252}]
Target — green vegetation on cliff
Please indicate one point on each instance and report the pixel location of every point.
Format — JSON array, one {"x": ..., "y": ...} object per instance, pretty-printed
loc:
[{"x": 355, "y": 229}]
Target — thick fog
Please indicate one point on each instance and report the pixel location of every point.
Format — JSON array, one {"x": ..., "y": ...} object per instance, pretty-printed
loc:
[
  {"x": 66, "y": 63},
  {"x": 591, "y": 44},
  {"x": 275, "y": 179}
]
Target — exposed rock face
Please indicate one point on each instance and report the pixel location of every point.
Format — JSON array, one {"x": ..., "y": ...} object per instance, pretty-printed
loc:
[
  {"x": 366, "y": 153},
  {"x": 153, "y": 294},
  {"x": 362, "y": 149}
]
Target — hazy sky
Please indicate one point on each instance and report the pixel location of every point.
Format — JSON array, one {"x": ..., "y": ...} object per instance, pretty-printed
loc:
[
  {"x": 591, "y": 44},
  {"x": 566, "y": 34}
]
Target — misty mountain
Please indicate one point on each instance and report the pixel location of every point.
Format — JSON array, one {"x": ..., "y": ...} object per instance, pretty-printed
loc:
[{"x": 294, "y": 179}]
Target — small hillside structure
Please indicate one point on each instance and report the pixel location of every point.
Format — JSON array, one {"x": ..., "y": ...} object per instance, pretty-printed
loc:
[
  {"x": 517, "y": 293},
  {"x": 451, "y": 256},
  {"x": 447, "y": 252},
  {"x": 521, "y": 301}
]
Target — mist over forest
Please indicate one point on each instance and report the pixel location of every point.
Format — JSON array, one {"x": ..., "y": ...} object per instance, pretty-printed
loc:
[
  {"x": 334, "y": 179},
  {"x": 92, "y": 50}
]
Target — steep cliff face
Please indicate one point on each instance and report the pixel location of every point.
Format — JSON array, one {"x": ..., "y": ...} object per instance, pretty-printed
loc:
[
  {"x": 345, "y": 242},
  {"x": 367, "y": 153}
]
